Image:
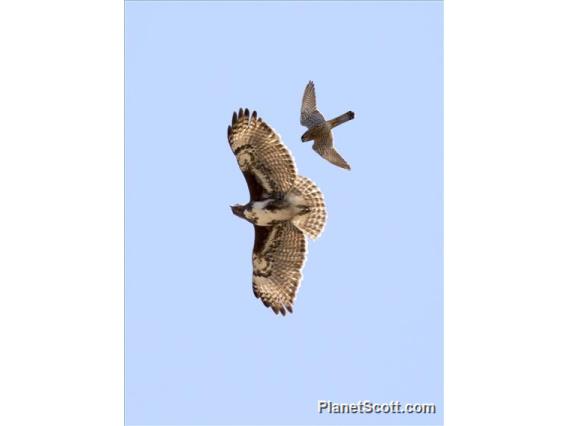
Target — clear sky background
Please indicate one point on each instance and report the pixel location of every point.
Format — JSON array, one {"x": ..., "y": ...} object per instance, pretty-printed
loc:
[{"x": 367, "y": 325}]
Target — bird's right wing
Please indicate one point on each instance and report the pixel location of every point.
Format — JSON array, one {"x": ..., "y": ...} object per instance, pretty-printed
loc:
[
  {"x": 309, "y": 115},
  {"x": 265, "y": 161},
  {"x": 324, "y": 147},
  {"x": 278, "y": 256}
]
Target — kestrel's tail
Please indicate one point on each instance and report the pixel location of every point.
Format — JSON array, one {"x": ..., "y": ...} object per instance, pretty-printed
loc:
[
  {"x": 349, "y": 115},
  {"x": 312, "y": 222}
]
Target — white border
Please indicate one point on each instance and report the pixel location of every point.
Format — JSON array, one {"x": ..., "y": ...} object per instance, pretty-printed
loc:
[
  {"x": 61, "y": 214},
  {"x": 506, "y": 212}
]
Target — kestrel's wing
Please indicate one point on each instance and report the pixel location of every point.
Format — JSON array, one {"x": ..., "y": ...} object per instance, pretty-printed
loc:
[
  {"x": 309, "y": 115},
  {"x": 324, "y": 147},
  {"x": 278, "y": 256},
  {"x": 265, "y": 161}
]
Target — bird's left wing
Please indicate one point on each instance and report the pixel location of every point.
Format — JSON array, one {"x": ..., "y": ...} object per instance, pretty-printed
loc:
[
  {"x": 265, "y": 161},
  {"x": 278, "y": 256},
  {"x": 309, "y": 115}
]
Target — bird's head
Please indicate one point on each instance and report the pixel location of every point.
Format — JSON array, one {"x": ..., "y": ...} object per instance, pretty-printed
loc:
[{"x": 239, "y": 210}]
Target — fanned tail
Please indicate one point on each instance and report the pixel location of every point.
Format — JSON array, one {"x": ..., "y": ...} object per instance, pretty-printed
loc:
[{"x": 313, "y": 221}]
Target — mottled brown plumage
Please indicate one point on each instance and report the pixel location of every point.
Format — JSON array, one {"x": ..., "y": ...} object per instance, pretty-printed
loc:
[
  {"x": 283, "y": 208},
  {"x": 319, "y": 129}
]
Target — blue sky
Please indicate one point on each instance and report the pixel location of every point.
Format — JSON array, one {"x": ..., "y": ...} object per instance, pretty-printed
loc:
[{"x": 367, "y": 325}]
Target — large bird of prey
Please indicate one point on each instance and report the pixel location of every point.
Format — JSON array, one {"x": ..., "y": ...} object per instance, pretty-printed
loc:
[
  {"x": 319, "y": 129},
  {"x": 283, "y": 208}
]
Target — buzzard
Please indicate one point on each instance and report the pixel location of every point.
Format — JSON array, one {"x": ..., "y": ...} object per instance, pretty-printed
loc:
[
  {"x": 319, "y": 130},
  {"x": 284, "y": 207}
]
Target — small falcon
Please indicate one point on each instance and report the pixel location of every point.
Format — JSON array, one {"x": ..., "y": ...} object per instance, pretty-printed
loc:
[
  {"x": 319, "y": 130},
  {"x": 283, "y": 208}
]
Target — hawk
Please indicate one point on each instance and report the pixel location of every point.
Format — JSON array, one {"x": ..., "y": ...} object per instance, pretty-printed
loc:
[
  {"x": 319, "y": 130},
  {"x": 284, "y": 208}
]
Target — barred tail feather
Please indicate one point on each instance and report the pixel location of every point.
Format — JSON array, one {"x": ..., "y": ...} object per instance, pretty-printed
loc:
[
  {"x": 313, "y": 222},
  {"x": 349, "y": 115}
]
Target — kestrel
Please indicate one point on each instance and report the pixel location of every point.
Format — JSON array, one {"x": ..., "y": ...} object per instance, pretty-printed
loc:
[
  {"x": 319, "y": 129},
  {"x": 283, "y": 208}
]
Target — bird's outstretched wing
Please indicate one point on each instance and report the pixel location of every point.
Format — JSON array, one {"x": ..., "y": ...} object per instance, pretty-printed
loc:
[
  {"x": 309, "y": 115},
  {"x": 324, "y": 147},
  {"x": 265, "y": 161},
  {"x": 278, "y": 256}
]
